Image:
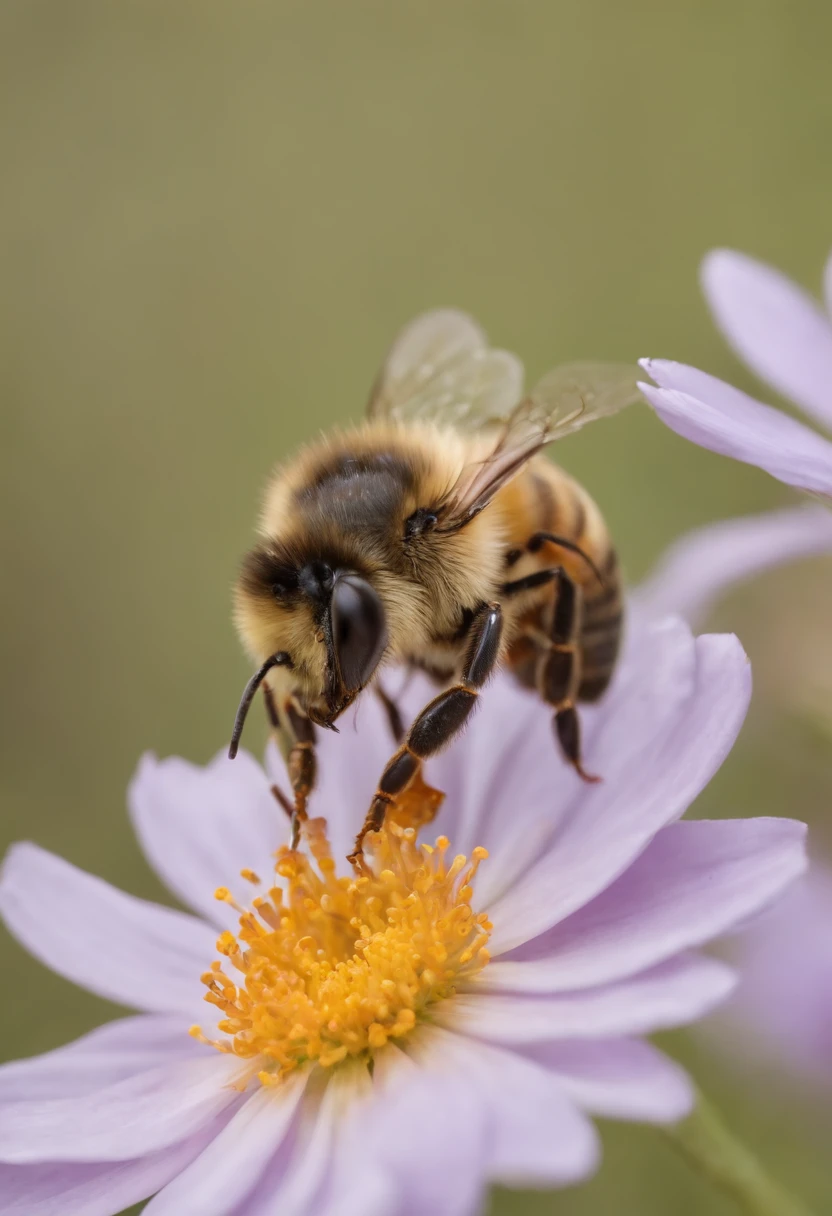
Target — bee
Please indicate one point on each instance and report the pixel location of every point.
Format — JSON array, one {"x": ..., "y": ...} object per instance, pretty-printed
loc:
[{"x": 437, "y": 536}]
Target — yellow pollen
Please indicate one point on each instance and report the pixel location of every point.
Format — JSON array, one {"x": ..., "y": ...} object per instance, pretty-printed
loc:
[{"x": 333, "y": 967}]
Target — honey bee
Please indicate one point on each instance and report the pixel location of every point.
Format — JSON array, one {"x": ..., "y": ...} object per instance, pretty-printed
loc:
[{"x": 435, "y": 535}]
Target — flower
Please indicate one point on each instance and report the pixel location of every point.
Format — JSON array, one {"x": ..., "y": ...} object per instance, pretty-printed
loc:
[
  {"x": 786, "y": 338},
  {"x": 501, "y": 1000},
  {"x": 782, "y": 1009}
]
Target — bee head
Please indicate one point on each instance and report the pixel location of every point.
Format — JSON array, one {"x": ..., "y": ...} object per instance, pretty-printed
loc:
[{"x": 329, "y": 620}]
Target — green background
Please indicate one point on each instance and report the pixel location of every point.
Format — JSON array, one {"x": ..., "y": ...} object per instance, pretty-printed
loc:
[{"x": 214, "y": 216}]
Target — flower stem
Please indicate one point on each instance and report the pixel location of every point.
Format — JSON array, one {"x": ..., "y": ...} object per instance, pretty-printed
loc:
[{"x": 707, "y": 1144}]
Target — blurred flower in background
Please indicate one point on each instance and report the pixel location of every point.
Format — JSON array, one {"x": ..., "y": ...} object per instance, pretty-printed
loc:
[
  {"x": 782, "y": 1011},
  {"x": 786, "y": 338}
]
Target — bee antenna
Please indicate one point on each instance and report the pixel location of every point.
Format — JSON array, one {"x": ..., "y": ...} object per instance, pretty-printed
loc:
[
  {"x": 281, "y": 659},
  {"x": 565, "y": 543}
]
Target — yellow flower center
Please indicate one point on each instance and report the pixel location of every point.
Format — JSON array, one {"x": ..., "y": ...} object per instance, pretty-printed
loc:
[{"x": 333, "y": 967}]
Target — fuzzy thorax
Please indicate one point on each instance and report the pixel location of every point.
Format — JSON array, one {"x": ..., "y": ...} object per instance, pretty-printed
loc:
[{"x": 326, "y": 968}]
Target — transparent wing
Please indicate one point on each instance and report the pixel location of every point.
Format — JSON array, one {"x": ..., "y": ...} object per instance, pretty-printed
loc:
[
  {"x": 566, "y": 399},
  {"x": 441, "y": 369},
  {"x": 570, "y": 396}
]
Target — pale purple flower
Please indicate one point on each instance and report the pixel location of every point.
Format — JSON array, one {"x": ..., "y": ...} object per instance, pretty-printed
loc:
[
  {"x": 785, "y": 337},
  {"x": 600, "y": 898},
  {"x": 782, "y": 1009}
]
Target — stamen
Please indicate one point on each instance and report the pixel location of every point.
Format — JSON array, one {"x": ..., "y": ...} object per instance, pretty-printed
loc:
[{"x": 334, "y": 967}]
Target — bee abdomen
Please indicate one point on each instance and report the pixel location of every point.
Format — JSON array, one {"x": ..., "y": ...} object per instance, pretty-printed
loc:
[{"x": 601, "y": 631}]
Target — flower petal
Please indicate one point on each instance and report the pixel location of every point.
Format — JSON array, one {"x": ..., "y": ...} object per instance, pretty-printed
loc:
[
  {"x": 827, "y": 286},
  {"x": 711, "y": 413},
  {"x": 428, "y": 1135},
  {"x": 358, "y": 1184},
  {"x": 706, "y": 563},
  {"x": 141, "y": 1114},
  {"x": 199, "y": 827},
  {"x": 671, "y": 994},
  {"x": 123, "y": 948},
  {"x": 536, "y": 1134},
  {"x": 618, "y": 1078},
  {"x": 107, "y": 1054},
  {"x": 694, "y": 880},
  {"x": 297, "y": 1178},
  {"x": 229, "y": 1168},
  {"x": 666, "y": 729},
  {"x": 776, "y": 327},
  {"x": 93, "y": 1189}
]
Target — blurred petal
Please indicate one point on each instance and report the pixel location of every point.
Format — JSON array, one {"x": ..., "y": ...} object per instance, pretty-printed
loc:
[
  {"x": 778, "y": 329},
  {"x": 827, "y": 286},
  {"x": 618, "y": 1078},
  {"x": 99, "y": 1189},
  {"x": 229, "y": 1168},
  {"x": 123, "y": 948},
  {"x": 538, "y": 1136},
  {"x": 671, "y": 994},
  {"x": 721, "y": 418},
  {"x": 782, "y": 1010},
  {"x": 703, "y": 565},
  {"x": 199, "y": 827},
  {"x": 107, "y": 1054},
  {"x": 142, "y": 1114},
  {"x": 693, "y": 881},
  {"x": 666, "y": 730}
]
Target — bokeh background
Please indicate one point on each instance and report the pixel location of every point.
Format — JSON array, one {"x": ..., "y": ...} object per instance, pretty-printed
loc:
[{"x": 213, "y": 217}]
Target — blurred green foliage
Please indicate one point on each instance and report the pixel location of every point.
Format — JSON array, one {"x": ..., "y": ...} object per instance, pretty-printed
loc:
[{"x": 213, "y": 217}]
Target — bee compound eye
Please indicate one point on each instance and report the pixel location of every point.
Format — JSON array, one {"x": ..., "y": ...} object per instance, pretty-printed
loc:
[{"x": 359, "y": 630}]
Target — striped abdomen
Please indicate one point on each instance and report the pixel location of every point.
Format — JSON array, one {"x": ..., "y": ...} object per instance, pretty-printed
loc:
[{"x": 546, "y": 499}]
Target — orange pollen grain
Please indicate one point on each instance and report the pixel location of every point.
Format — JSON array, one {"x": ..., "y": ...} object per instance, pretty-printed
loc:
[{"x": 327, "y": 968}]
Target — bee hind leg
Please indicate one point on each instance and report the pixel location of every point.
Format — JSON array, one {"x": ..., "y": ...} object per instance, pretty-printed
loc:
[
  {"x": 438, "y": 722},
  {"x": 558, "y": 674}
]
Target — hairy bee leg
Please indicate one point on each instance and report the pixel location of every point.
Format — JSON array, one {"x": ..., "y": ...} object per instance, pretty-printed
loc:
[
  {"x": 394, "y": 717},
  {"x": 301, "y": 763},
  {"x": 438, "y": 722},
  {"x": 559, "y": 671}
]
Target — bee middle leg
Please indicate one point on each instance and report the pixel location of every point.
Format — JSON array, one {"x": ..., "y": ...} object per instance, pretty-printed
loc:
[
  {"x": 301, "y": 760},
  {"x": 438, "y": 722}
]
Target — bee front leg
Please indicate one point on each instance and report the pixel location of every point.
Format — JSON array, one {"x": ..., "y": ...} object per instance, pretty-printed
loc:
[
  {"x": 391, "y": 709},
  {"x": 301, "y": 760},
  {"x": 438, "y": 722}
]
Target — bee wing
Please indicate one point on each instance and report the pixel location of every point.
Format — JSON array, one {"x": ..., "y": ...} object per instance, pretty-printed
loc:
[
  {"x": 566, "y": 399},
  {"x": 441, "y": 369}
]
